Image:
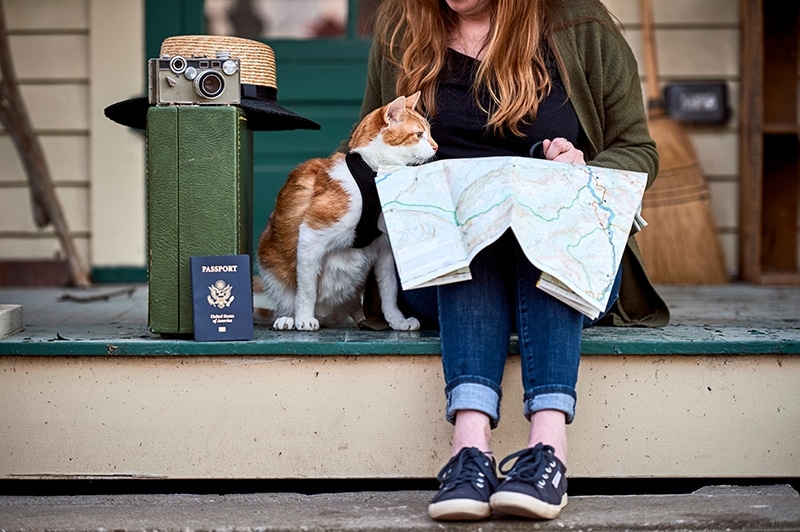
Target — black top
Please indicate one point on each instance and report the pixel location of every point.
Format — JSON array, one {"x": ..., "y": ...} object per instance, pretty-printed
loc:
[
  {"x": 459, "y": 125},
  {"x": 459, "y": 129}
]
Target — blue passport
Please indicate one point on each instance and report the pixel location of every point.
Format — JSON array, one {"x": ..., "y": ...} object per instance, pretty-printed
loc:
[{"x": 222, "y": 298}]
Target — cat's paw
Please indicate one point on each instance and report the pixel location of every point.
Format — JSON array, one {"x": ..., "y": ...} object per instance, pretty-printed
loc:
[
  {"x": 408, "y": 324},
  {"x": 306, "y": 324},
  {"x": 284, "y": 323}
]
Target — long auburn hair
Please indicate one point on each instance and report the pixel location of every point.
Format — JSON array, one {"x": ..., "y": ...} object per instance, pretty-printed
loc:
[{"x": 513, "y": 71}]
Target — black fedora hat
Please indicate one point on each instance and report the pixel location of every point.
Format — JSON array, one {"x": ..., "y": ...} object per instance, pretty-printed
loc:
[{"x": 259, "y": 87}]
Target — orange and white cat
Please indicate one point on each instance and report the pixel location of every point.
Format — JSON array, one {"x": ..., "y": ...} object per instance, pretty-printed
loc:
[{"x": 322, "y": 242}]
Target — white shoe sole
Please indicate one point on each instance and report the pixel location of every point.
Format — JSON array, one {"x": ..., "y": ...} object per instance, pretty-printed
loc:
[
  {"x": 519, "y": 504},
  {"x": 459, "y": 510}
]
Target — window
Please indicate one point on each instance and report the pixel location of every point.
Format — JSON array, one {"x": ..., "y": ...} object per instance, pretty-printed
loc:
[{"x": 290, "y": 19}]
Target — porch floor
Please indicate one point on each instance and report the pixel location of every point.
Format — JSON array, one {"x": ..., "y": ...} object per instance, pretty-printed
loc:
[{"x": 733, "y": 318}]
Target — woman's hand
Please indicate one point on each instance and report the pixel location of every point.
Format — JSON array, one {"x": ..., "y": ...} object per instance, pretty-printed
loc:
[{"x": 562, "y": 150}]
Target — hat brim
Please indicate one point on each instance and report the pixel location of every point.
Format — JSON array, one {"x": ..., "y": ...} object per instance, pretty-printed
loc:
[{"x": 262, "y": 115}]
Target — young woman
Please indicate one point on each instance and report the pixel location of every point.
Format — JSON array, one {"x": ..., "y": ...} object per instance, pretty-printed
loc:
[{"x": 497, "y": 77}]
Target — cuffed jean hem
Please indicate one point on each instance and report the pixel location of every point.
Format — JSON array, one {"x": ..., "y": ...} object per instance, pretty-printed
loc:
[
  {"x": 564, "y": 402},
  {"x": 474, "y": 396}
]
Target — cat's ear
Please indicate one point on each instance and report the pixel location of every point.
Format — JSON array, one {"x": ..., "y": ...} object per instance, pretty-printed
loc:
[
  {"x": 395, "y": 110},
  {"x": 411, "y": 101}
]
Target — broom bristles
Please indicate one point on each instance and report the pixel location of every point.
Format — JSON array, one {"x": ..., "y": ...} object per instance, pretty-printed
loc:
[{"x": 681, "y": 244}]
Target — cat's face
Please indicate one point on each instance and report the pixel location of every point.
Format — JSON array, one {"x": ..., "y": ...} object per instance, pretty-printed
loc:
[{"x": 395, "y": 134}]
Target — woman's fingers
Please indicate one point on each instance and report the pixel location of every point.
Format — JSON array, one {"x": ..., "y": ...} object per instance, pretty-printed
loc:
[{"x": 562, "y": 150}]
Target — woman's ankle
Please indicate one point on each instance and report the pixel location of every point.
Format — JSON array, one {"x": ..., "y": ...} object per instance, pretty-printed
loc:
[
  {"x": 472, "y": 429},
  {"x": 549, "y": 427}
]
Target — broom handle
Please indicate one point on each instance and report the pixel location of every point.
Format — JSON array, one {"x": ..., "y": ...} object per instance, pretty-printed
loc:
[{"x": 648, "y": 36}]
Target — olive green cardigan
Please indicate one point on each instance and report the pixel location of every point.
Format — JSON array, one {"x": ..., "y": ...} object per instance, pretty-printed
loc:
[{"x": 605, "y": 90}]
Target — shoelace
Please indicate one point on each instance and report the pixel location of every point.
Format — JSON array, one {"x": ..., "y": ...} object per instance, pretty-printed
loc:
[
  {"x": 467, "y": 466},
  {"x": 533, "y": 465}
]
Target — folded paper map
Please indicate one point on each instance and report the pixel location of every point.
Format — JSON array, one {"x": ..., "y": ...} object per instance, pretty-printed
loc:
[{"x": 572, "y": 221}]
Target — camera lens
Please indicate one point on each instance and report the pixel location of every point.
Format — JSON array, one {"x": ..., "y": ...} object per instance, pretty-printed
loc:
[
  {"x": 177, "y": 64},
  {"x": 209, "y": 84}
]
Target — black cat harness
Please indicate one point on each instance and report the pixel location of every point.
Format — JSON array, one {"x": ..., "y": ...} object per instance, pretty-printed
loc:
[{"x": 367, "y": 229}]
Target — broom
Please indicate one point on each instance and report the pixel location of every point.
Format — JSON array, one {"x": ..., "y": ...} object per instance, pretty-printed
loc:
[{"x": 682, "y": 244}]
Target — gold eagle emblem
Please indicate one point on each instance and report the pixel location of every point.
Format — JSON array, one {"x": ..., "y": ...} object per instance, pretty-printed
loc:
[{"x": 220, "y": 296}]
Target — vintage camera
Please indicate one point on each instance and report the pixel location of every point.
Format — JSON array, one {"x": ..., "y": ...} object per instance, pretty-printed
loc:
[{"x": 194, "y": 81}]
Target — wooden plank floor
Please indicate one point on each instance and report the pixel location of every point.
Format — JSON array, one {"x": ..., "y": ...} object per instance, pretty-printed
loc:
[
  {"x": 702, "y": 316},
  {"x": 734, "y": 304}
]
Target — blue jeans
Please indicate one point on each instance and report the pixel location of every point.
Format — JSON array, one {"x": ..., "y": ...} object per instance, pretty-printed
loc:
[{"x": 476, "y": 319}]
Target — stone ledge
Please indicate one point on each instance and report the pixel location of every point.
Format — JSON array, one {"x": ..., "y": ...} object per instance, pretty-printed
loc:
[{"x": 769, "y": 508}]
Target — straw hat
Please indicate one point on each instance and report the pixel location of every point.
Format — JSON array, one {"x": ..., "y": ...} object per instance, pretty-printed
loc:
[{"x": 257, "y": 76}]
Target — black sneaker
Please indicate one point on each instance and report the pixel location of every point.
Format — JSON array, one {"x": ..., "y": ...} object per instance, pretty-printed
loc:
[
  {"x": 535, "y": 487},
  {"x": 467, "y": 482}
]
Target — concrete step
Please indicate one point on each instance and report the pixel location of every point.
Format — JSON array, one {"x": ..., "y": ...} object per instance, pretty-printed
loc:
[
  {"x": 713, "y": 508},
  {"x": 89, "y": 393}
]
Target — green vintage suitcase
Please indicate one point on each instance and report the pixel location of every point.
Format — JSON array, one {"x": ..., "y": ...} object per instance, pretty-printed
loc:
[{"x": 199, "y": 201}]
